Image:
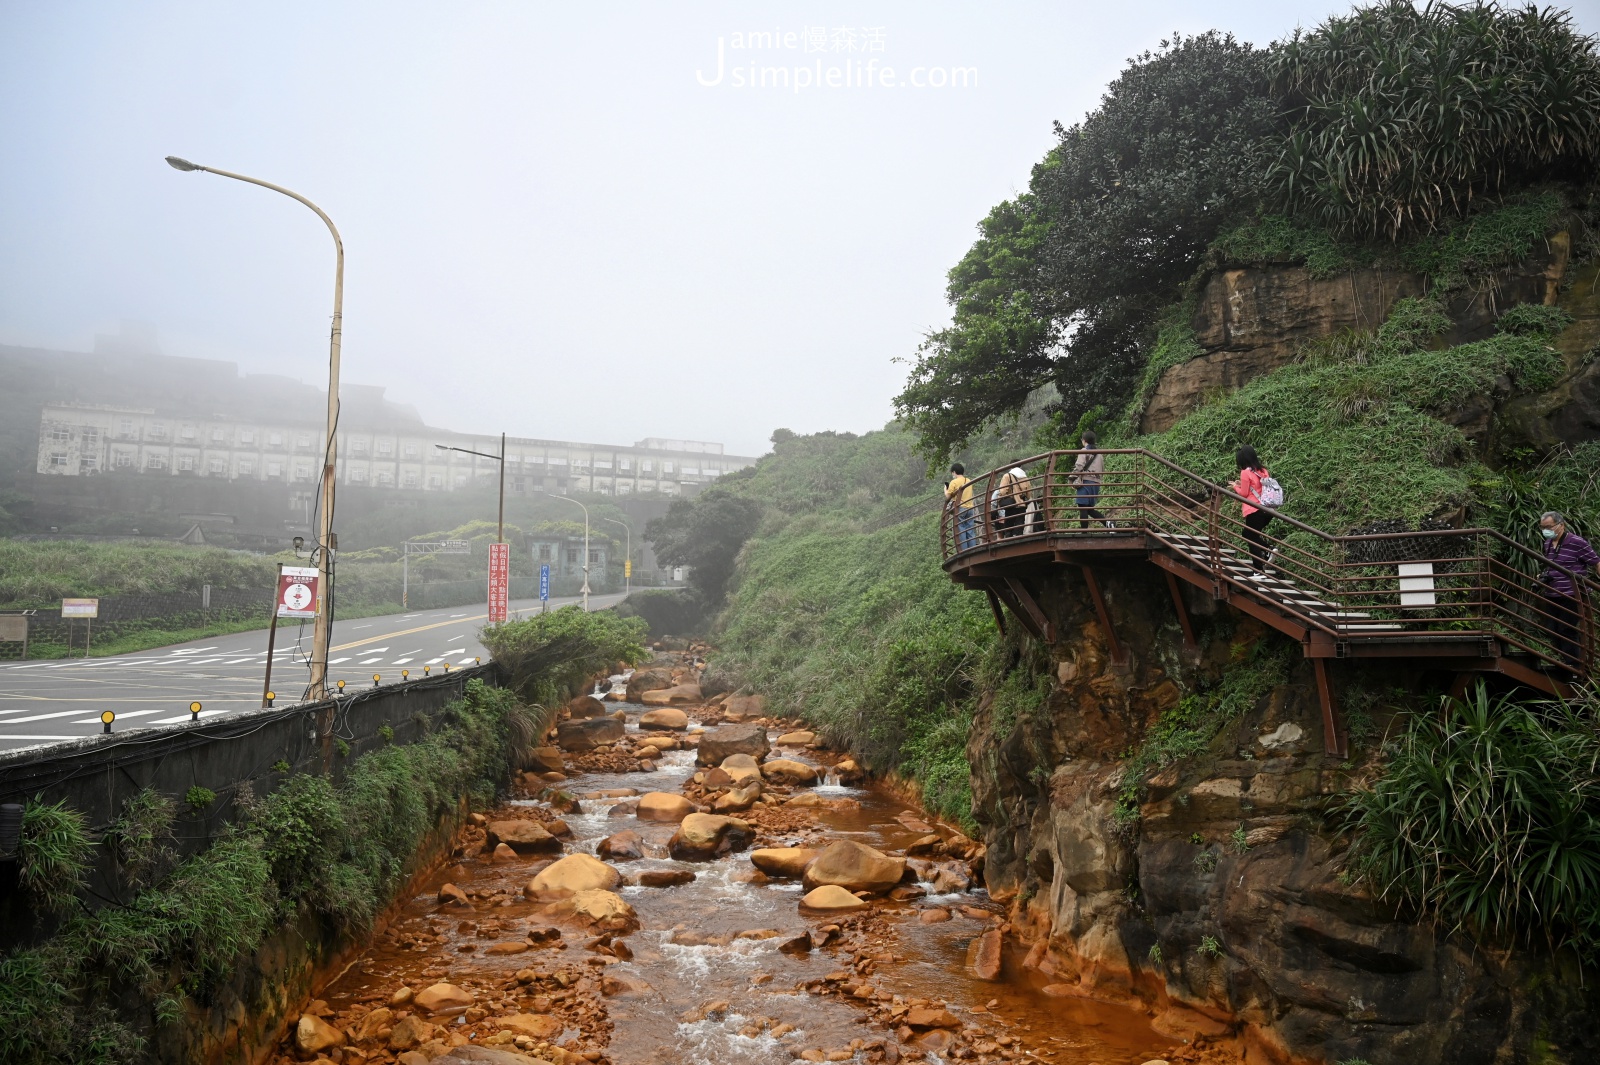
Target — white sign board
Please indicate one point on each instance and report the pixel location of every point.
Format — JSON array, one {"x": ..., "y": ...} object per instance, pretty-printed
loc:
[
  {"x": 297, "y": 592},
  {"x": 80, "y": 608}
]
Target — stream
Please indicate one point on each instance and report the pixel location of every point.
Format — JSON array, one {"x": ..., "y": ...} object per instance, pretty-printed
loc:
[{"x": 703, "y": 979}]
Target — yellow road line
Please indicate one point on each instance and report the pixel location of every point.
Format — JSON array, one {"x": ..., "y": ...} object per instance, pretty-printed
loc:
[{"x": 408, "y": 632}]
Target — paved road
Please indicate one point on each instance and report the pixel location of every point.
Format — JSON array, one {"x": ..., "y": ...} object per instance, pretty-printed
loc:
[{"x": 47, "y": 701}]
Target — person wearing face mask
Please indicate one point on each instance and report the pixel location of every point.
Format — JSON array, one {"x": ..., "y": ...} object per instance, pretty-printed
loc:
[{"x": 1567, "y": 553}]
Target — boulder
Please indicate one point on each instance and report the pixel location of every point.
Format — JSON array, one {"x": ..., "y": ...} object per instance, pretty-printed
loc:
[
  {"x": 737, "y": 800},
  {"x": 676, "y": 720},
  {"x": 649, "y": 752},
  {"x": 441, "y": 997},
  {"x": 570, "y": 875},
  {"x": 589, "y": 733},
  {"x": 410, "y": 1031},
  {"x": 644, "y": 680},
  {"x": 665, "y": 877},
  {"x": 625, "y": 846},
  {"x": 514, "y": 946},
  {"x": 502, "y": 853},
  {"x": 678, "y": 693},
  {"x": 664, "y": 806},
  {"x": 797, "y": 739},
  {"x": 605, "y": 909},
  {"x": 854, "y": 867},
  {"x": 782, "y": 861},
  {"x": 542, "y": 1027},
  {"x": 740, "y": 761},
  {"x": 546, "y": 760},
  {"x": 701, "y": 837},
  {"x": 830, "y": 898},
  {"x": 931, "y": 1017},
  {"x": 450, "y": 895},
  {"x": 788, "y": 771},
  {"x": 923, "y": 846},
  {"x": 524, "y": 837},
  {"x": 984, "y": 954},
  {"x": 372, "y": 1023},
  {"x": 585, "y": 706},
  {"x": 716, "y": 744},
  {"x": 743, "y": 707},
  {"x": 849, "y": 772},
  {"x": 476, "y": 1055},
  {"x": 313, "y": 1035},
  {"x": 662, "y": 741}
]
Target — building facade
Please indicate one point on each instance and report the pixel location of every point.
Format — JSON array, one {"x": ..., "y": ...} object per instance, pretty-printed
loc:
[{"x": 80, "y": 440}]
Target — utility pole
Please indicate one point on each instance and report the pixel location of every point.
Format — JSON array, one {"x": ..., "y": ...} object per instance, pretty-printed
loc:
[
  {"x": 327, "y": 542},
  {"x": 627, "y": 569},
  {"x": 585, "y": 551}
]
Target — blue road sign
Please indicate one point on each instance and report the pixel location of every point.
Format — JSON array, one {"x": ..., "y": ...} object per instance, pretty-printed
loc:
[{"x": 544, "y": 582}]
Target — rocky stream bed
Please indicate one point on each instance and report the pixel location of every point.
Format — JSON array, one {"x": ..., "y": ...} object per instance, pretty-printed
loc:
[{"x": 665, "y": 888}]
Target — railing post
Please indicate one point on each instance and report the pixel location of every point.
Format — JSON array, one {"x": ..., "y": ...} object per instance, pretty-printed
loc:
[
  {"x": 1213, "y": 540},
  {"x": 1047, "y": 498}
]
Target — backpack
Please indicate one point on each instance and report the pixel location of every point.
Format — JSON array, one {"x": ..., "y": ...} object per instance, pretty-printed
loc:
[{"x": 1271, "y": 493}]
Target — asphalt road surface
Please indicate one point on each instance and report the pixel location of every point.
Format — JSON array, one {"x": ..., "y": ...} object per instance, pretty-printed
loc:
[{"x": 49, "y": 701}]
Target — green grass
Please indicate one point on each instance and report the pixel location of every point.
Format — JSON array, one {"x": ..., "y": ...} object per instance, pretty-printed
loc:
[
  {"x": 95, "y": 991},
  {"x": 1355, "y": 432}
]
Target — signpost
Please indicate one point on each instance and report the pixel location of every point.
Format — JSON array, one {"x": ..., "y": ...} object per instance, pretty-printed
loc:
[
  {"x": 544, "y": 588},
  {"x": 425, "y": 547},
  {"x": 297, "y": 597},
  {"x": 88, "y": 609},
  {"x": 499, "y": 582}
]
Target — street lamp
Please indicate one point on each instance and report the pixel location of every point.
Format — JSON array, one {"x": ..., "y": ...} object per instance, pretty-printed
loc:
[
  {"x": 500, "y": 532},
  {"x": 627, "y": 570},
  {"x": 585, "y": 550},
  {"x": 326, "y": 541}
]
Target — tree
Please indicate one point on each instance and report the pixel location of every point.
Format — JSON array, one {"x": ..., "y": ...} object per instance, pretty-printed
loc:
[
  {"x": 1065, "y": 281},
  {"x": 705, "y": 534}
]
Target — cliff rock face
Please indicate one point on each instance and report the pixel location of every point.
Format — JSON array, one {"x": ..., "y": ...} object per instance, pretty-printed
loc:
[
  {"x": 1252, "y": 320},
  {"x": 1222, "y": 905}
]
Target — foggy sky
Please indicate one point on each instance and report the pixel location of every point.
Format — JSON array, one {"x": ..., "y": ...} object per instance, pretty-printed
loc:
[{"x": 552, "y": 228}]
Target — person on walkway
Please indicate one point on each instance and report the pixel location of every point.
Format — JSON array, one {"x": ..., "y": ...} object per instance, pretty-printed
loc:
[
  {"x": 1086, "y": 474},
  {"x": 1010, "y": 501},
  {"x": 958, "y": 497},
  {"x": 1256, "y": 515},
  {"x": 1566, "y": 553}
]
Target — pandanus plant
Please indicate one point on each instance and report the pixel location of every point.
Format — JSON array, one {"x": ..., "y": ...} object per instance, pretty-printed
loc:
[{"x": 1402, "y": 117}]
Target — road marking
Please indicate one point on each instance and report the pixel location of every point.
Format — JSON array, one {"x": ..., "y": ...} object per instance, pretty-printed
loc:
[
  {"x": 401, "y": 661},
  {"x": 361, "y": 626},
  {"x": 457, "y": 636},
  {"x": 464, "y": 661},
  {"x": 402, "y": 632},
  {"x": 336, "y": 661},
  {"x": 453, "y": 616},
  {"x": 370, "y": 661}
]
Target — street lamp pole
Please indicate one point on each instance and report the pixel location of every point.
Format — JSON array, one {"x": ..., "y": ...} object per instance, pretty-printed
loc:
[
  {"x": 627, "y": 571},
  {"x": 585, "y": 551},
  {"x": 326, "y": 541},
  {"x": 500, "y": 532}
]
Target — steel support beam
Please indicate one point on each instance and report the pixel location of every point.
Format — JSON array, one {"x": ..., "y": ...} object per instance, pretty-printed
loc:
[
  {"x": 1335, "y": 740},
  {"x": 1118, "y": 654},
  {"x": 1183, "y": 611}
]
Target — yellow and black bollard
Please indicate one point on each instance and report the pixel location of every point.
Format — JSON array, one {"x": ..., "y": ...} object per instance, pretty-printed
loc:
[
  {"x": 375, "y": 678},
  {"x": 106, "y": 717},
  {"x": 271, "y": 696},
  {"x": 194, "y": 711}
]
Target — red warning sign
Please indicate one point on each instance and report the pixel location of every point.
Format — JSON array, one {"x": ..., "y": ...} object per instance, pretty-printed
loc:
[
  {"x": 499, "y": 581},
  {"x": 297, "y": 592}
]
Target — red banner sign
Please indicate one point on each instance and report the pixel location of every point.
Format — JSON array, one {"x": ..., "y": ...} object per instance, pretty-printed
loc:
[
  {"x": 297, "y": 592},
  {"x": 499, "y": 581}
]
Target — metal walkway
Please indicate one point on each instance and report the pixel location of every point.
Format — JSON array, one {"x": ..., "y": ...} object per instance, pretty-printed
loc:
[{"x": 1469, "y": 601}]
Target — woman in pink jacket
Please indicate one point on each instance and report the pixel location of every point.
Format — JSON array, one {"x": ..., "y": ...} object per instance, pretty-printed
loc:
[{"x": 1256, "y": 516}]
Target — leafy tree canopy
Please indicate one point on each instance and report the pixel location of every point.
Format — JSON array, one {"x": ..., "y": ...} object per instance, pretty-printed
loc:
[
  {"x": 705, "y": 534},
  {"x": 1387, "y": 123}
]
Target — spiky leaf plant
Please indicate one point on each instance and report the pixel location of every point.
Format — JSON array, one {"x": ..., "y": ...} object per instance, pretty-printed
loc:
[{"x": 1404, "y": 116}]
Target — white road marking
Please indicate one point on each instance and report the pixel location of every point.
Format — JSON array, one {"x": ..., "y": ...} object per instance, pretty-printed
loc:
[
  {"x": 370, "y": 661},
  {"x": 361, "y": 626},
  {"x": 336, "y": 661},
  {"x": 465, "y": 661},
  {"x": 401, "y": 661}
]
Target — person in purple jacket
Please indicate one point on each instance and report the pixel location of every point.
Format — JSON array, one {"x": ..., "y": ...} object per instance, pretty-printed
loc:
[{"x": 1572, "y": 553}]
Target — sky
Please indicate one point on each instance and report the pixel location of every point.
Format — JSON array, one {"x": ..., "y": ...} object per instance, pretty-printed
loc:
[{"x": 561, "y": 221}]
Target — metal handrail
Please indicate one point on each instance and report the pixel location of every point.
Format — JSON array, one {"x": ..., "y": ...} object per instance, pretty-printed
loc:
[{"x": 1465, "y": 582}]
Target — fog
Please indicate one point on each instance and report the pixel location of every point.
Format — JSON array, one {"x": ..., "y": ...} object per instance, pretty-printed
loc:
[{"x": 560, "y": 220}]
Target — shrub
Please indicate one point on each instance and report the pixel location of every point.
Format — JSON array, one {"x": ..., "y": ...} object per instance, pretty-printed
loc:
[
  {"x": 1488, "y": 819},
  {"x": 549, "y": 656},
  {"x": 1403, "y": 116},
  {"x": 54, "y": 855}
]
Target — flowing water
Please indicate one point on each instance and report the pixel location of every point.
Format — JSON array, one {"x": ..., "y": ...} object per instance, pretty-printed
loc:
[{"x": 688, "y": 954}]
